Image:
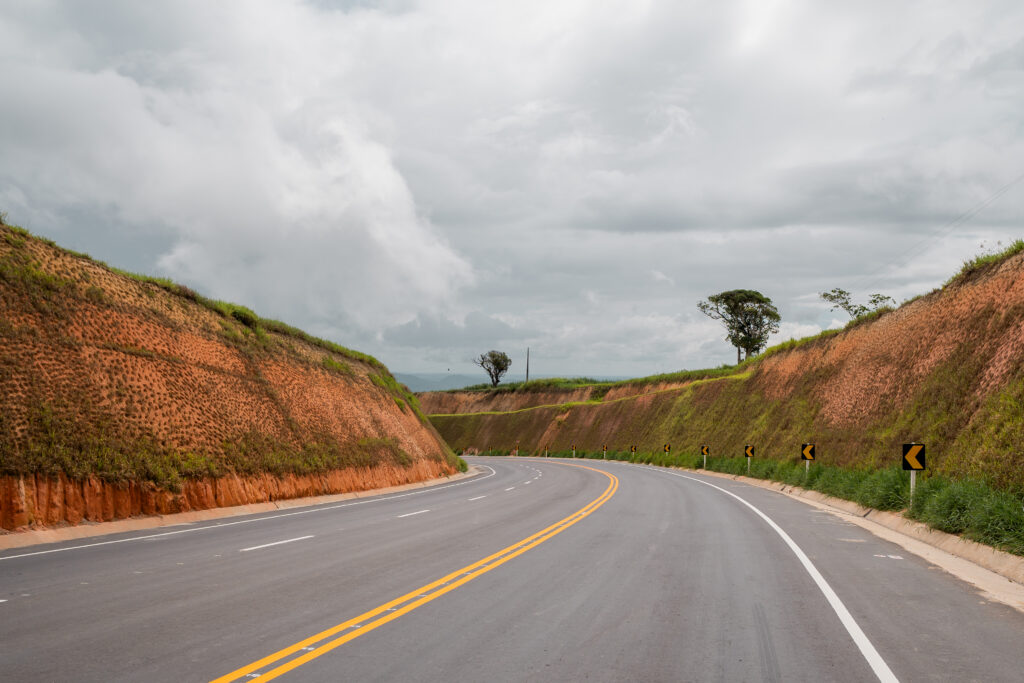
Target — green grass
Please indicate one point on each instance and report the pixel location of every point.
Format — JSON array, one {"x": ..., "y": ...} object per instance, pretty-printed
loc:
[
  {"x": 336, "y": 366},
  {"x": 982, "y": 262},
  {"x": 680, "y": 376},
  {"x": 869, "y": 317}
]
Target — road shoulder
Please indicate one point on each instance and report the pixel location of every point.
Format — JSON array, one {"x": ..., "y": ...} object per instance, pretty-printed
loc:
[{"x": 997, "y": 574}]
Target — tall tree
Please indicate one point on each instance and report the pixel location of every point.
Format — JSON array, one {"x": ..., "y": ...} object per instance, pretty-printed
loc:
[
  {"x": 748, "y": 315},
  {"x": 495, "y": 364}
]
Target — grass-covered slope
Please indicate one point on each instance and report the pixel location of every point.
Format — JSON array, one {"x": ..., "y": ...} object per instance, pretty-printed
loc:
[{"x": 129, "y": 378}]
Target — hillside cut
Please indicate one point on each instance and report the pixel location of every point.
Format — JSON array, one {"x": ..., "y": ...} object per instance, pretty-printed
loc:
[
  {"x": 945, "y": 369},
  {"x": 124, "y": 395}
]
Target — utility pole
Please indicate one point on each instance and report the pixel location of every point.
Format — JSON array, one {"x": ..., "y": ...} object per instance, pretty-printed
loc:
[{"x": 527, "y": 363}]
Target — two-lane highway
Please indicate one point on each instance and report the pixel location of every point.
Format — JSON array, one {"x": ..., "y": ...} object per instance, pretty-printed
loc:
[{"x": 536, "y": 569}]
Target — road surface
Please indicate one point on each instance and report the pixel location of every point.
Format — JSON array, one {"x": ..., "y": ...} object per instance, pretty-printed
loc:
[{"x": 534, "y": 570}]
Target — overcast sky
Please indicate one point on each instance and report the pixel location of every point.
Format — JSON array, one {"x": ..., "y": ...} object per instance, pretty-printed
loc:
[{"x": 424, "y": 181}]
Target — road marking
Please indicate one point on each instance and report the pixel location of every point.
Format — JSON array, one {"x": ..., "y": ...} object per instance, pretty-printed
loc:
[
  {"x": 410, "y": 514},
  {"x": 3, "y": 601},
  {"x": 875, "y": 661},
  {"x": 477, "y": 498},
  {"x": 525, "y": 482},
  {"x": 267, "y": 545},
  {"x": 218, "y": 525},
  {"x": 389, "y": 611},
  {"x": 510, "y": 488}
]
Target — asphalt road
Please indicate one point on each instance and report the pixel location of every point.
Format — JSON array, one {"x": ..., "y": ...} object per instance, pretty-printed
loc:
[{"x": 536, "y": 570}]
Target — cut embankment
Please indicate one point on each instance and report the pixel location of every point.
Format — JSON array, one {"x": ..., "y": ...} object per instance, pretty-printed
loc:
[
  {"x": 39, "y": 501},
  {"x": 128, "y": 388},
  {"x": 946, "y": 370}
]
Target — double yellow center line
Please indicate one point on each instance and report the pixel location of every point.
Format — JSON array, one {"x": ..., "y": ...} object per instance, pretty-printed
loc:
[{"x": 325, "y": 641}]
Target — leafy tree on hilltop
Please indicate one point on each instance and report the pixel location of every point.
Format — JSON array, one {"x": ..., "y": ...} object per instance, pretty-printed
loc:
[
  {"x": 840, "y": 298},
  {"x": 748, "y": 315},
  {"x": 495, "y": 364}
]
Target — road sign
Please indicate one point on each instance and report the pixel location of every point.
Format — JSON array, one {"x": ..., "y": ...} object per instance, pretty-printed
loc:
[
  {"x": 633, "y": 448},
  {"x": 749, "y": 451},
  {"x": 913, "y": 456},
  {"x": 807, "y": 451},
  {"x": 705, "y": 451},
  {"x": 668, "y": 447}
]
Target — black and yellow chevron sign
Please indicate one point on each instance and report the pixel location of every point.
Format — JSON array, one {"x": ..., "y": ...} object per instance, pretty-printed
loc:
[
  {"x": 705, "y": 450},
  {"x": 633, "y": 448},
  {"x": 749, "y": 451},
  {"x": 668, "y": 447},
  {"x": 913, "y": 456},
  {"x": 807, "y": 451}
]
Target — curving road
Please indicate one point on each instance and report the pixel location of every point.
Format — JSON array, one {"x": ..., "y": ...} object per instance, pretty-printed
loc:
[{"x": 534, "y": 570}]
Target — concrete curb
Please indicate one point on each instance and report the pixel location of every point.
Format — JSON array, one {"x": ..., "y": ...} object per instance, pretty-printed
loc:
[
  {"x": 20, "y": 539},
  {"x": 1003, "y": 563}
]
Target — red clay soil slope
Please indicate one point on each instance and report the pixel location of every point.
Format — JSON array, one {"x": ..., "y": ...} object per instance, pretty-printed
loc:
[
  {"x": 946, "y": 369},
  {"x": 122, "y": 396}
]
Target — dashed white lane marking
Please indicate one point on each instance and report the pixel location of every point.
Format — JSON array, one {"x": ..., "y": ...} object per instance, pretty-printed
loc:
[
  {"x": 3, "y": 601},
  {"x": 875, "y": 661},
  {"x": 510, "y": 488},
  {"x": 477, "y": 498},
  {"x": 410, "y": 514},
  {"x": 256, "y": 519},
  {"x": 267, "y": 545}
]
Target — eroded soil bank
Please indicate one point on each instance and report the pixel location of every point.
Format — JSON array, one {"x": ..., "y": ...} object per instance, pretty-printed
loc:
[{"x": 36, "y": 501}]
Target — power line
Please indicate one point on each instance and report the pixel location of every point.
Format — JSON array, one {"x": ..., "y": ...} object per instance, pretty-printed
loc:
[{"x": 921, "y": 245}]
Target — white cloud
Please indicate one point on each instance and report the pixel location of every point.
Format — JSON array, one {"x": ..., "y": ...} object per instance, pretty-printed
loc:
[{"x": 374, "y": 172}]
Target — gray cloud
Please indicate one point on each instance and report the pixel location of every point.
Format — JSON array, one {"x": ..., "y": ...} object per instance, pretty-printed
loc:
[{"x": 425, "y": 180}]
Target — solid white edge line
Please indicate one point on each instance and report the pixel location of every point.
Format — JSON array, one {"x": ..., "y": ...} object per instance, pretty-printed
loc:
[
  {"x": 874, "y": 659},
  {"x": 267, "y": 545},
  {"x": 219, "y": 525},
  {"x": 410, "y": 514}
]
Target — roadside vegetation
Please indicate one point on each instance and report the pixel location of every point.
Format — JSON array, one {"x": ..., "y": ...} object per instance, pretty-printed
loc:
[{"x": 985, "y": 260}]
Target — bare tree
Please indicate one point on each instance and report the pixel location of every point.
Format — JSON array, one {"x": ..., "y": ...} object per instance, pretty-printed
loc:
[{"x": 495, "y": 364}]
